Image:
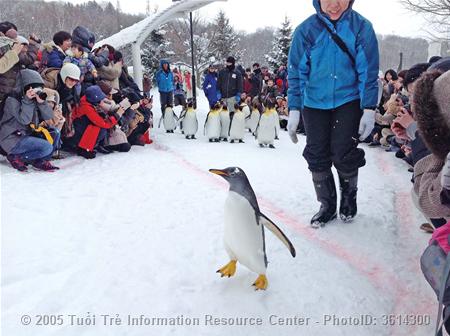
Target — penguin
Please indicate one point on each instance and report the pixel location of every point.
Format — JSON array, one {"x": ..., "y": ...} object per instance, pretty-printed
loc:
[
  {"x": 190, "y": 122},
  {"x": 237, "y": 125},
  {"x": 244, "y": 238},
  {"x": 266, "y": 131},
  {"x": 276, "y": 121},
  {"x": 253, "y": 120},
  {"x": 224, "y": 123},
  {"x": 212, "y": 124},
  {"x": 169, "y": 119}
]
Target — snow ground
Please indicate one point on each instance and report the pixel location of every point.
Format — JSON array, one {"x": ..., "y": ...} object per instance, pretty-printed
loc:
[{"x": 141, "y": 233}]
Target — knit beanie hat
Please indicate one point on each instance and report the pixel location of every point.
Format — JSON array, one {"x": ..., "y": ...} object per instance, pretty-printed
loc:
[
  {"x": 70, "y": 70},
  {"x": 431, "y": 106},
  {"x": 231, "y": 60}
]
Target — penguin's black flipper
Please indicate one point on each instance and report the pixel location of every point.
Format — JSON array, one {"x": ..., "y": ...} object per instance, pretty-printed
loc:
[
  {"x": 206, "y": 121},
  {"x": 269, "y": 224}
]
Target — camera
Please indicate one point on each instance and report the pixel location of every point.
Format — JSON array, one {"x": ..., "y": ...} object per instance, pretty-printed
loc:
[
  {"x": 40, "y": 93},
  {"x": 404, "y": 99}
]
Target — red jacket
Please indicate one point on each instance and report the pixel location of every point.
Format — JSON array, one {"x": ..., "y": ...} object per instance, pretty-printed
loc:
[{"x": 90, "y": 135}]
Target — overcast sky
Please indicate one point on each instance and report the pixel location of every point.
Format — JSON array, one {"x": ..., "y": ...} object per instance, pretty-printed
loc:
[{"x": 387, "y": 16}]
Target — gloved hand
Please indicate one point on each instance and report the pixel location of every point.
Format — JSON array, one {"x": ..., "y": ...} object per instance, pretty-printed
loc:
[
  {"x": 366, "y": 124},
  {"x": 238, "y": 97},
  {"x": 445, "y": 176},
  {"x": 293, "y": 121}
]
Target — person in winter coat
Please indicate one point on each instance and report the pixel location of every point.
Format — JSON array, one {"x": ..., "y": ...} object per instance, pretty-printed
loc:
[
  {"x": 146, "y": 85},
  {"x": 256, "y": 81},
  {"x": 24, "y": 110},
  {"x": 270, "y": 92},
  {"x": 55, "y": 52},
  {"x": 91, "y": 120},
  {"x": 27, "y": 57},
  {"x": 67, "y": 79},
  {"x": 431, "y": 106},
  {"x": 179, "y": 93},
  {"x": 247, "y": 85},
  {"x": 337, "y": 89},
  {"x": 85, "y": 38},
  {"x": 210, "y": 86},
  {"x": 9, "y": 53},
  {"x": 282, "y": 75},
  {"x": 113, "y": 71},
  {"x": 164, "y": 80},
  {"x": 230, "y": 84},
  {"x": 187, "y": 84}
]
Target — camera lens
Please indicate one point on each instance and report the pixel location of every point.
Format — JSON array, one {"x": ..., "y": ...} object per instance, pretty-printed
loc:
[{"x": 42, "y": 95}]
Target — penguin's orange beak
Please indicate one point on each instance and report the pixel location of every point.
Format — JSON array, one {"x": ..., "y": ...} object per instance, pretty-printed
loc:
[{"x": 218, "y": 172}]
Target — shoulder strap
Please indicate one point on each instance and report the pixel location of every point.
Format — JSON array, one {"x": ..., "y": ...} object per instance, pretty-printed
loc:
[{"x": 340, "y": 43}]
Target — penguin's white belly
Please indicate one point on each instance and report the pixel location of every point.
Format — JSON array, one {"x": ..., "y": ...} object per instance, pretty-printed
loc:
[
  {"x": 169, "y": 121},
  {"x": 276, "y": 121},
  {"x": 253, "y": 121},
  {"x": 243, "y": 237},
  {"x": 247, "y": 114},
  {"x": 213, "y": 127},
  {"x": 266, "y": 130},
  {"x": 237, "y": 128},
  {"x": 225, "y": 124},
  {"x": 190, "y": 124}
]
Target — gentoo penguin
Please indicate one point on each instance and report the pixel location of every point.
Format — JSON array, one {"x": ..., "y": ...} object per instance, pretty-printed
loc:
[
  {"x": 252, "y": 122},
  {"x": 190, "y": 122},
  {"x": 169, "y": 119},
  {"x": 224, "y": 123},
  {"x": 266, "y": 131},
  {"x": 237, "y": 125},
  {"x": 212, "y": 124},
  {"x": 244, "y": 228}
]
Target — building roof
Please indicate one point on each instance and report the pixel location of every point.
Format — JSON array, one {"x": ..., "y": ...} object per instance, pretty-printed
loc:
[{"x": 138, "y": 32}]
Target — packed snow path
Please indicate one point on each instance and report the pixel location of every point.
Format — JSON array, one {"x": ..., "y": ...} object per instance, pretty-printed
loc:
[{"x": 141, "y": 234}]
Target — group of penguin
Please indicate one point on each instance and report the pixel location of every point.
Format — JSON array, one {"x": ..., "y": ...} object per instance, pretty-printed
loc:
[{"x": 221, "y": 125}]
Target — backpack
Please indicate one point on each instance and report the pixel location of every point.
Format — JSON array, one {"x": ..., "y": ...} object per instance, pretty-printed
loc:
[{"x": 435, "y": 265}]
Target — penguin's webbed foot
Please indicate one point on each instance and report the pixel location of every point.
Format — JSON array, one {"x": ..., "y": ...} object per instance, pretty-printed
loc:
[
  {"x": 229, "y": 269},
  {"x": 261, "y": 282}
]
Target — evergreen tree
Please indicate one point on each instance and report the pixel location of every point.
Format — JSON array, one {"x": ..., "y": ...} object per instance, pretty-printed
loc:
[
  {"x": 279, "y": 54},
  {"x": 225, "y": 39},
  {"x": 154, "y": 49}
]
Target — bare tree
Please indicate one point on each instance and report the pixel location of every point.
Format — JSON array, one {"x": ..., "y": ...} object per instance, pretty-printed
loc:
[{"x": 437, "y": 14}]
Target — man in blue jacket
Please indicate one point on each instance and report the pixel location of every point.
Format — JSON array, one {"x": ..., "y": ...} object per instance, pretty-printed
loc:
[
  {"x": 333, "y": 71},
  {"x": 164, "y": 79},
  {"x": 210, "y": 86}
]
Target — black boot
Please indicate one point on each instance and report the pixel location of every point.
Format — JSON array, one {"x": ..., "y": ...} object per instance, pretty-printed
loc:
[
  {"x": 326, "y": 195},
  {"x": 349, "y": 187}
]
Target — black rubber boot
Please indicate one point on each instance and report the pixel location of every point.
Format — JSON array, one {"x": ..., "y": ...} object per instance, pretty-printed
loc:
[
  {"x": 349, "y": 188},
  {"x": 326, "y": 195}
]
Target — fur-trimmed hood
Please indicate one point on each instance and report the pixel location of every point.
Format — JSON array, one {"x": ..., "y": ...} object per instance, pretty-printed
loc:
[{"x": 431, "y": 106}]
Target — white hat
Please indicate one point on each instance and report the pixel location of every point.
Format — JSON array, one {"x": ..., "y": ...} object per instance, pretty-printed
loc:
[
  {"x": 22, "y": 40},
  {"x": 70, "y": 70}
]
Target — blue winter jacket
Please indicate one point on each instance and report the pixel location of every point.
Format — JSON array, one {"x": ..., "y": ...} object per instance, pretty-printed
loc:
[
  {"x": 55, "y": 58},
  {"x": 321, "y": 75},
  {"x": 164, "y": 79},
  {"x": 210, "y": 87}
]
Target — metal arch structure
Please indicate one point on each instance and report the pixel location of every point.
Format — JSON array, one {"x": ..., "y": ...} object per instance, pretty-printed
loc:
[{"x": 136, "y": 34}]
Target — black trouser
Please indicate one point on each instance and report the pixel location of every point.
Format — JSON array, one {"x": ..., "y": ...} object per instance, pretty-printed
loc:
[
  {"x": 180, "y": 100},
  {"x": 332, "y": 138},
  {"x": 141, "y": 128},
  {"x": 166, "y": 98}
]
